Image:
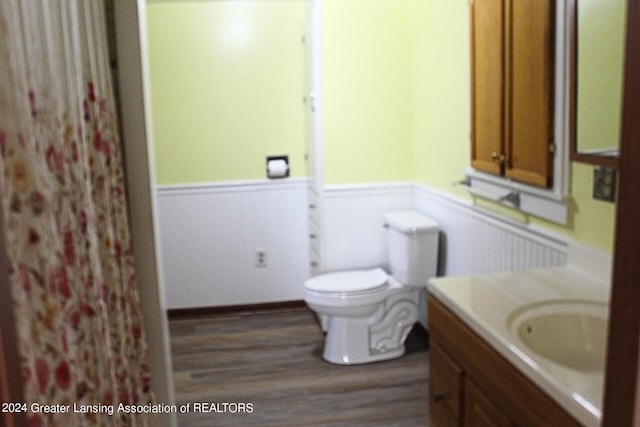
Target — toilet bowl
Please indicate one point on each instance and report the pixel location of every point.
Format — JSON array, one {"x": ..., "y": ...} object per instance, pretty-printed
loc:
[{"x": 367, "y": 314}]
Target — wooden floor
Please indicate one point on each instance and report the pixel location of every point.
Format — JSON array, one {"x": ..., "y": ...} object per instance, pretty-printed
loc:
[{"x": 272, "y": 363}]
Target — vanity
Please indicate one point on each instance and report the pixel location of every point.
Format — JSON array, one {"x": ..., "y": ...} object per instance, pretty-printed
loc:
[{"x": 518, "y": 348}]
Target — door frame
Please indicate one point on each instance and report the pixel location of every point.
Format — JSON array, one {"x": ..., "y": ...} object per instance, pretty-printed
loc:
[{"x": 621, "y": 406}]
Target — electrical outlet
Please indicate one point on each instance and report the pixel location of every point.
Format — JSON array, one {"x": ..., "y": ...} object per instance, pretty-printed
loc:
[{"x": 261, "y": 258}]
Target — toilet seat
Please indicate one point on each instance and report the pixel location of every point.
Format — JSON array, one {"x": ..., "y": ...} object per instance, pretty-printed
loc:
[{"x": 351, "y": 282}]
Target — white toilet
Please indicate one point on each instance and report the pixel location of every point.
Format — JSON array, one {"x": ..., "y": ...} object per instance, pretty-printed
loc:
[{"x": 367, "y": 314}]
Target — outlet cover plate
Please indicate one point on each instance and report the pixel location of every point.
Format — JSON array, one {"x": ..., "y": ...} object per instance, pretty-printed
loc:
[{"x": 604, "y": 183}]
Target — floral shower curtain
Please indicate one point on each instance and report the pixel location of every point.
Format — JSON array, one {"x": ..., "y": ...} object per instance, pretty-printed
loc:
[{"x": 81, "y": 337}]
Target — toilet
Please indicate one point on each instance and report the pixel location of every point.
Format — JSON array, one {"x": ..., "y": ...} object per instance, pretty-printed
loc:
[{"x": 367, "y": 314}]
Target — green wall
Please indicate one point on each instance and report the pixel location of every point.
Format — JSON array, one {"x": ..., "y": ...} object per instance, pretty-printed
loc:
[
  {"x": 227, "y": 83},
  {"x": 378, "y": 130},
  {"x": 396, "y": 96},
  {"x": 441, "y": 99},
  {"x": 367, "y": 88},
  {"x": 441, "y": 120}
]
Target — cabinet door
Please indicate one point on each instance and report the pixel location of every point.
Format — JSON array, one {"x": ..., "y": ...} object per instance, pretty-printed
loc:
[
  {"x": 479, "y": 411},
  {"x": 487, "y": 78},
  {"x": 512, "y": 73},
  {"x": 530, "y": 65},
  {"x": 445, "y": 389}
]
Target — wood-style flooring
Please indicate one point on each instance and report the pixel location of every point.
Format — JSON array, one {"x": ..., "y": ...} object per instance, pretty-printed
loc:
[{"x": 273, "y": 361}]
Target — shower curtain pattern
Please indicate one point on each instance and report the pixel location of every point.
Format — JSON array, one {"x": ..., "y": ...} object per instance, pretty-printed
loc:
[{"x": 80, "y": 330}]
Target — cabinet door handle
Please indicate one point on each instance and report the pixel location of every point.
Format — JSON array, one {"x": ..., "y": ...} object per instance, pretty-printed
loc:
[
  {"x": 438, "y": 397},
  {"x": 495, "y": 157}
]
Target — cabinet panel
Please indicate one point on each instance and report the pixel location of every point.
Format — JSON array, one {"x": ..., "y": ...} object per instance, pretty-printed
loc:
[
  {"x": 480, "y": 411},
  {"x": 487, "y": 84},
  {"x": 512, "y": 61},
  {"x": 531, "y": 92},
  {"x": 445, "y": 389}
]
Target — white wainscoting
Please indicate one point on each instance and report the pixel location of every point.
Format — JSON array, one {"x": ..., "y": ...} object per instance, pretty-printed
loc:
[
  {"x": 472, "y": 241},
  {"x": 209, "y": 233},
  {"x": 477, "y": 241},
  {"x": 353, "y": 218},
  {"x": 208, "y": 237}
]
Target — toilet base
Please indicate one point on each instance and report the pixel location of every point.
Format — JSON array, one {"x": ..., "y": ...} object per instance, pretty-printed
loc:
[
  {"x": 347, "y": 343},
  {"x": 375, "y": 338}
]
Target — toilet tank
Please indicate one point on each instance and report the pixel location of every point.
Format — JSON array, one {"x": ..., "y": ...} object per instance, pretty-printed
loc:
[{"x": 412, "y": 246}]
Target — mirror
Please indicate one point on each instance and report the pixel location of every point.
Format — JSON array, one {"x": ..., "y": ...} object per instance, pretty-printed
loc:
[{"x": 599, "y": 61}]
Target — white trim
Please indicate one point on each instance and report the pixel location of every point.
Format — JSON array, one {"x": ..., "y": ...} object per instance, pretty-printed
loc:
[
  {"x": 133, "y": 74},
  {"x": 377, "y": 188},
  {"x": 315, "y": 109},
  {"x": 516, "y": 186},
  {"x": 232, "y": 186},
  {"x": 562, "y": 126},
  {"x": 544, "y": 204}
]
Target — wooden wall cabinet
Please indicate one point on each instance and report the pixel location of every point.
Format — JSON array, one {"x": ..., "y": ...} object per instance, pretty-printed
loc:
[
  {"x": 512, "y": 79},
  {"x": 470, "y": 384}
]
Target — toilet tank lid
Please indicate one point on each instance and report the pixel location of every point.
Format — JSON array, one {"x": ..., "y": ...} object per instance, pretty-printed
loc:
[
  {"x": 410, "y": 222},
  {"x": 348, "y": 281}
]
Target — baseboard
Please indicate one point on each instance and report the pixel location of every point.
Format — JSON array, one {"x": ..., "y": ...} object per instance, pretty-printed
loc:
[{"x": 235, "y": 310}]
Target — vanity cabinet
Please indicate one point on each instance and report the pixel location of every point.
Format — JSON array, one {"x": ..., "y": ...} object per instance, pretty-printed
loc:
[
  {"x": 445, "y": 382},
  {"x": 480, "y": 411},
  {"x": 470, "y": 384},
  {"x": 512, "y": 78}
]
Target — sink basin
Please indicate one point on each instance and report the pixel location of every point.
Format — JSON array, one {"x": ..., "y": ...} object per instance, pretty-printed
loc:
[{"x": 568, "y": 332}]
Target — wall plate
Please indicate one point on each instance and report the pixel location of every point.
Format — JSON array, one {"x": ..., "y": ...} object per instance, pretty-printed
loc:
[{"x": 604, "y": 183}]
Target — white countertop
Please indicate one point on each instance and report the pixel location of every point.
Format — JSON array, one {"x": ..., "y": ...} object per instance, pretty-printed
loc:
[{"x": 484, "y": 303}]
